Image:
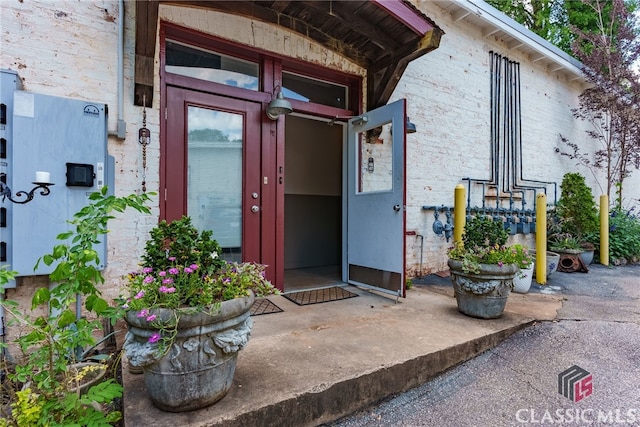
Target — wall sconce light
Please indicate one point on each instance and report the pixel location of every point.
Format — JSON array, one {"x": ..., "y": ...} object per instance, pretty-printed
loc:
[
  {"x": 410, "y": 127},
  {"x": 41, "y": 183},
  {"x": 278, "y": 106}
]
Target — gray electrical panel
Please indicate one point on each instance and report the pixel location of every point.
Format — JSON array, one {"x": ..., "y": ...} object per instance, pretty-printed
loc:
[
  {"x": 9, "y": 83},
  {"x": 66, "y": 140}
]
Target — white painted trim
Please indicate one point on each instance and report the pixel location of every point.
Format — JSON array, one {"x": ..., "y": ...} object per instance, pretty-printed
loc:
[{"x": 502, "y": 22}]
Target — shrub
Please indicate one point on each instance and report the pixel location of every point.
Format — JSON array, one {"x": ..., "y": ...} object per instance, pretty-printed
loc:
[
  {"x": 624, "y": 234},
  {"x": 576, "y": 208}
]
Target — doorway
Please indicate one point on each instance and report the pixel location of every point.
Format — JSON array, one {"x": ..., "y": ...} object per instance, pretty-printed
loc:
[{"x": 313, "y": 204}]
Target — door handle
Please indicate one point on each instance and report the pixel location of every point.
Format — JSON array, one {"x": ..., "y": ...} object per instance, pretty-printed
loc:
[
  {"x": 396, "y": 208},
  {"x": 255, "y": 208}
]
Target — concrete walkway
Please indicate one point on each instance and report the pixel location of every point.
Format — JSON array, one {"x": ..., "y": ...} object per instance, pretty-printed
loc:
[{"x": 316, "y": 363}]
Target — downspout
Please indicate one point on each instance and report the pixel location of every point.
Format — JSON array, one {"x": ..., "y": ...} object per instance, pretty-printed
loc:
[{"x": 121, "y": 129}]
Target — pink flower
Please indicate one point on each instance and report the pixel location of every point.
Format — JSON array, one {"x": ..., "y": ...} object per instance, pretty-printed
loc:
[
  {"x": 500, "y": 264},
  {"x": 167, "y": 281},
  {"x": 188, "y": 270},
  {"x": 148, "y": 279},
  {"x": 162, "y": 273},
  {"x": 147, "y": 270},
  {"x": 173, "y": 270},
  {"x": 151, "y": 318},
  {"x": 172, "y": 258},
  {"x": 143, "y": 313},
  {"x": 166, "y": 290},
  {"x": 154, "y": 338},
  {"x": 139, "y": 295},
  {"x": 193, "y": 266}
]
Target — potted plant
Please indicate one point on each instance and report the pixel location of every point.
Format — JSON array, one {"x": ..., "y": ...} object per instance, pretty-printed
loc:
[
  {"x": 53, "y": 382},
  {"x": 188, "y": 316},
  {"x": 483, "y": 267}
]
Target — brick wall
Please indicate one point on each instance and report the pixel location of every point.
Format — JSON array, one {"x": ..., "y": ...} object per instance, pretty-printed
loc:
[{"x": 69, "y": 48}]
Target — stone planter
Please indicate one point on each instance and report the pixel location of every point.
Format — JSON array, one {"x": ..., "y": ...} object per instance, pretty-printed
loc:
[
  {"x": 483, "y": 295},
  {"x": 198, "y": 369},
  {"x": 522, "y": 280}
]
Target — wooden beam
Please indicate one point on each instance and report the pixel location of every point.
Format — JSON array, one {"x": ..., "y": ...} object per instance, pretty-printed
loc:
[
  {"x": 146, "y": 30},
  {"x": 382, "y": 81},
  {"x": 406, "y": 15}
]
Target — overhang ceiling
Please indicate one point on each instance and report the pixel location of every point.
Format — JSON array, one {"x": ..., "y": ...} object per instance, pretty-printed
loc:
[{"x": 382, "y": 36}]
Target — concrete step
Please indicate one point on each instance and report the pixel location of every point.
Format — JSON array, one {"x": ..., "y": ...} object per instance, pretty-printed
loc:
[{"x": 313, "y": 364}]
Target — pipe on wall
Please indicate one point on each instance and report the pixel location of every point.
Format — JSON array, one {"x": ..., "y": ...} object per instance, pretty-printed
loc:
[{"x": 121, "y": 126}]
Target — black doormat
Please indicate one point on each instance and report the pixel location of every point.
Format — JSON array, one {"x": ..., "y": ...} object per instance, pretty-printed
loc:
[
  {"x": 264, "y": 306},
  {"x": 318, "y": 296}
]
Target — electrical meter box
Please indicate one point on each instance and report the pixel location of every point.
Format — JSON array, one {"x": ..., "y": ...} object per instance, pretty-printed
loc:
[{"x": 65, "y": 140}]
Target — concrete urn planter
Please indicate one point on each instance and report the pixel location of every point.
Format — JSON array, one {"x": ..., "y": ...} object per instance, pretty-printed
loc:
[
  {"x": 198, "y": 369},
  {"x": 482, "y": 295}
]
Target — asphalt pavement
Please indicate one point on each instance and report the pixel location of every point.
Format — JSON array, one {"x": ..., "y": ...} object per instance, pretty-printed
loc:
[{"x": 596, "y": 335}]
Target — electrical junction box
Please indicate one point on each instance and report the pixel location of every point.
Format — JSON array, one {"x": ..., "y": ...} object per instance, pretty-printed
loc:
[
  {"x": 9, "y": 83},
  {"x": 48, "y": 134}
]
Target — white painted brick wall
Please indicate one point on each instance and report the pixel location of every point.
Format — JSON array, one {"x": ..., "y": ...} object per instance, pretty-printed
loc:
[{"x": 69, "y": 48}]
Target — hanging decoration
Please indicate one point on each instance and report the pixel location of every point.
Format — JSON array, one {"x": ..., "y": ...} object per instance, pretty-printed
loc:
[{"x": 144, "y": 139}]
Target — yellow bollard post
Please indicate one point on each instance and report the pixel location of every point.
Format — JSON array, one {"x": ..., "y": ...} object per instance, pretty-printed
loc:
[
  {"x": 541, "y": 239},
  {"x": 604, "y": 229},
  {"x": 458, "y": 213}
]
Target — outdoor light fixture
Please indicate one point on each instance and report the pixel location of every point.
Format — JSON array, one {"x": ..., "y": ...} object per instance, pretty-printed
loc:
[
  {"x": 410, "y": 127},
  {"x": 278, "y": 106},
  {"x": 41, "y": 183}
]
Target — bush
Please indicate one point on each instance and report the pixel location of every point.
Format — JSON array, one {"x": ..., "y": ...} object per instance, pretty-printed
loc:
[
  {"x": 624, "y": 234},
  {"x": 576, "y": 209}
]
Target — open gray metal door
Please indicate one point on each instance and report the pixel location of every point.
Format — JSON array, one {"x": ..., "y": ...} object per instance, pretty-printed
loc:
[{"x": 375, "y": 250}]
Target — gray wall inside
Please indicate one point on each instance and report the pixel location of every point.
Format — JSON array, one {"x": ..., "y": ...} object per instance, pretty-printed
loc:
[{"x": 313, "y": 193}]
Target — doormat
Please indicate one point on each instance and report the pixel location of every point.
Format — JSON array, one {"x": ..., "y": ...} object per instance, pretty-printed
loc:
[
  {"x": 264, "y": 306},
  {"x": 318, "y": 296}
]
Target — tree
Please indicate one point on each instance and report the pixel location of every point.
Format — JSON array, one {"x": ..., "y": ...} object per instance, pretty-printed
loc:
[
  {"x": 612, "y": 102},
  {"x": 550, "y": 19}
]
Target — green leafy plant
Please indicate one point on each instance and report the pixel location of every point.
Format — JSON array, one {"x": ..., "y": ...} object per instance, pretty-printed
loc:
[
  {"x": 186, "y": 246},
  {"x": 576, "y": 210},
  {"x": 45, "y": 388},
  {"x": 183, "y": 271},
  {"x": 563, "y": 242},
  {"x": 624, "y": 235},
  {"x": 484, "y": 242}
]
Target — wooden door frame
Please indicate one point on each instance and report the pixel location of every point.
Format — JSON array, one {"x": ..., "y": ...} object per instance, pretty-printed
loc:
[{"x": 271, "y": 251}]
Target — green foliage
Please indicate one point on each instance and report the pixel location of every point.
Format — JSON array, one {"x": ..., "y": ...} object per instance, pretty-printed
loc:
[
  {"x": 576, "y": 209},
  {"x": 624, "y": 235},
  {"x": 183, "y": 242},
  {"x": 182, "y": 271},
  {"x": 484, "y": 242},
  {"x": 482, "y": 232},
  {"x": 56, "y": 340}
]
